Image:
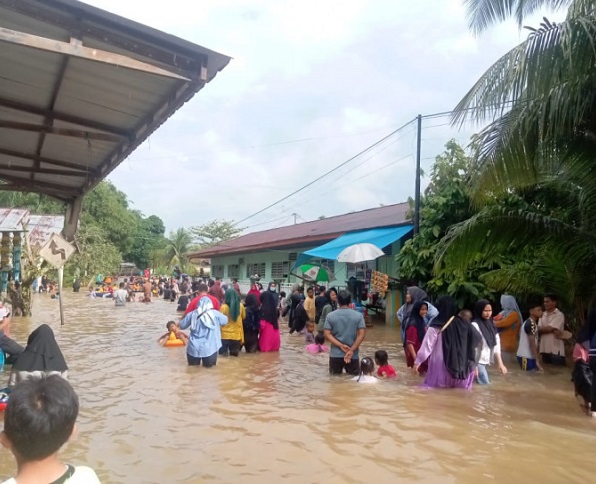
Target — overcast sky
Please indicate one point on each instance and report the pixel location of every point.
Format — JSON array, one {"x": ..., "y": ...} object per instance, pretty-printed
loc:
[{"x": 311, "y": 84}]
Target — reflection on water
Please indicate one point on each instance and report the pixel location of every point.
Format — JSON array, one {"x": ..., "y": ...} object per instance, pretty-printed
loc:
[{"x": 147, "y": 417}]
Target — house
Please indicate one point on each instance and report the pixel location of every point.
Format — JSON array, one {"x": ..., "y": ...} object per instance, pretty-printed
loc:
[{"x": 277, "y": 254}]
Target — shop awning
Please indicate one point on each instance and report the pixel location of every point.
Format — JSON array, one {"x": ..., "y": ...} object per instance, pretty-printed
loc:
[{"x": 381, "y": 237}]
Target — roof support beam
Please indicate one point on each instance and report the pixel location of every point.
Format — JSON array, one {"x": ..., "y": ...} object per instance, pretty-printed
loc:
[
  {"x": 71, "y": 221},
  {"x": 39, "y": 186},
  {"x": 67, "y": 118},
  {"x": 49, "y": 129},
  {"x": 48, "y": 161},
  {"x": 35, "y": 170},
  {"x": 185, "y": 64},
  {"x": 76, "y": 49}
]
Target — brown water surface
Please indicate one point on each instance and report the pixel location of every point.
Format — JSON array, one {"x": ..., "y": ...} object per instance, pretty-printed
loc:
[{"x": 146, "y": 417}]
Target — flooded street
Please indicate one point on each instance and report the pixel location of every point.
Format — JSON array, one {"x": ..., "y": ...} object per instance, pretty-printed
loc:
[{"x": 147, "y": 417}]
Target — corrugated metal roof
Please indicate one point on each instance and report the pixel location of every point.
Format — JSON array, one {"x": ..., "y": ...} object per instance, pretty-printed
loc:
[
  {"x": 309, "y": 233},
  {"x": 42, "y": 227},
  {"x": 81, "y": 88},
  {"x": 13, "y": 219}
]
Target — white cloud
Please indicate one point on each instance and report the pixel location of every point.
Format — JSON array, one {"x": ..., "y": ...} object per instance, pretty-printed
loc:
[{"x": 311, "y": 84}]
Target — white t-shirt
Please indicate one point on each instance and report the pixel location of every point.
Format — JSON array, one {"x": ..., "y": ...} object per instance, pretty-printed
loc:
[
  {"x": 365, "y": 379},
  {"x": 487, "y": 354},
  {"x": 120, "y": 296},
  {"x": 81, "y": 475}
]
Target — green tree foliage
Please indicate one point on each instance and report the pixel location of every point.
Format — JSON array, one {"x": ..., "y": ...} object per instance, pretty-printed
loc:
[
  {"x": 537, "y": 153},
  {"x": 176, "y": 249},
  {"x": 36, "y": 203},
  {"x": 445, "y": 203},
  {"x": 214, "y": 232},
  {"x": 107, "y": 207},
  {"x": 96, "y": 255},
  {"x": 149, "y": 237}
]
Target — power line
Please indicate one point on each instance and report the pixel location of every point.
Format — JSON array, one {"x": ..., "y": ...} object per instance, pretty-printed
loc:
[{"x": 327, "y": 173}]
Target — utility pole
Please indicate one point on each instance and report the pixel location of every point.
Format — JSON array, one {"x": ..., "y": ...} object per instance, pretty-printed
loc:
[
  {"x": 295, "y": 218},
  {"x": 417, "y": 194}
]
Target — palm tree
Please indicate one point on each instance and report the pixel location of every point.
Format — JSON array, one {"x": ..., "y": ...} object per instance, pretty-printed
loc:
[
  {"x": 540, "y": 104},
  {"x": 177, "y": 247}
]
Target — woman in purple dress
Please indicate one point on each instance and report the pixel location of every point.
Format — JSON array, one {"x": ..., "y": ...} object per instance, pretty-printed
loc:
[{"x": 450, "y": 348}]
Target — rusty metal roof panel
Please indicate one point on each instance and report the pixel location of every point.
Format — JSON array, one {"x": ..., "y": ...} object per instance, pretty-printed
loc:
[
  {"x": 85, "y": 102},
  {"x": 313, "y": 232},
  {"x": 13, "y": 218},
  {"x": 42, "y": 227}
]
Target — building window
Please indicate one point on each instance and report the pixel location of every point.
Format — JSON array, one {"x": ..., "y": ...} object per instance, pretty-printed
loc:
[
  {"x": 257, "y": 268},
  {"x": 280, "y": 270},
  {"x": 217, "y": 271},
  {"x": 234, "y": 271}
]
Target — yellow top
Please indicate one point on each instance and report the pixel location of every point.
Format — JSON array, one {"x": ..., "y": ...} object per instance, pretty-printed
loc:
[
  {"x": 233, "y": 330},
  {"x": 309, "y": 307}
]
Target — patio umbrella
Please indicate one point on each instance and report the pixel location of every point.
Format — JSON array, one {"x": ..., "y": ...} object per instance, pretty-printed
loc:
[
  {"x": 316, "y": 272},
  {"x": 359, "y": 253}
]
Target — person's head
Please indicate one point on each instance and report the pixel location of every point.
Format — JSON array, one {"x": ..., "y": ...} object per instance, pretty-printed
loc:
[
  {"x": 282, "y": 294},
  {"x": 310, "y": 292},
  {"x": 171, "y": 326},
  {"x": 414, "y": 293},
  {"x": 272, "y": 286},
  {"x": 466, "y": 315},
  {"x": 447, "y": 308},
  {"x": 202, "y": 288},
  {"x": 310, "y": 327},
  {"x": 367, "y": 366},
  {"x": 344, "y": 297},
  {"x": 420, "y": 308},
  {"x": 319, "y": 339},
  {"x": 321, "y": 289},
  {"x": 483, "y": 310},
  {"x": 39, "y": 418},
  {"x": 121, "y": 285},
  {"x": 211, "y": 283},
  {"x": 381, "y": 357},
  {"x": 234, "y": 280},
  {"x": 259, "y": 286},
  {"x": 251, "y": 301},
  {"x": 535, "y": 309},
  {"x": 551, "y": 301},
  {"x": 331, "y": 295}
]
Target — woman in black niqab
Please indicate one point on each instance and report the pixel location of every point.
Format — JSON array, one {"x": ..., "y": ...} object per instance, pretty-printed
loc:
[{"x": 42, "y": 357}]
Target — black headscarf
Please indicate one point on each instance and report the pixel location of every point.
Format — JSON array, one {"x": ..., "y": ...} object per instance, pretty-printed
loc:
[
  {"x": 269, "y": 309},
  {"x": 487, "y": 327},
  {"x": 459, "y": 339},
  {"x": 416, "y": 320},
  {"x": 41, "y": 353}
]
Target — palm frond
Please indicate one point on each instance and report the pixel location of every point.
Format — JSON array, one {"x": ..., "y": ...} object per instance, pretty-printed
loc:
[{"x": 484, "y": 13}]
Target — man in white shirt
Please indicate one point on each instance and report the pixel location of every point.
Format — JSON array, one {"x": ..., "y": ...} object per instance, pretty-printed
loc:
[
  {"x": 550, "y": 328},
  {"x": 120, "y": 295}
]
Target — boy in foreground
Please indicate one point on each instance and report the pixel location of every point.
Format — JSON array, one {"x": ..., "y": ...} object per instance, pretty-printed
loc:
[{"x": 39, "y": 419}]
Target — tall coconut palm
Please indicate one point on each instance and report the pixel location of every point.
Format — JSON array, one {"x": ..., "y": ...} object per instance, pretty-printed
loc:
[
  {"x": 540, "y": 104},
  {"x": 177, "y": 247}
]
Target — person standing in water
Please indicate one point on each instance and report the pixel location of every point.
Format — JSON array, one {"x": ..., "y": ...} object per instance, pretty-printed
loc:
[
  {"x": 491, "y": 342},
  {"x": 345, "y": 330},
  {"x": 508, "y": 322},
  {"x": 450, "y": 348},
  {"x": 413, "y": 295}
]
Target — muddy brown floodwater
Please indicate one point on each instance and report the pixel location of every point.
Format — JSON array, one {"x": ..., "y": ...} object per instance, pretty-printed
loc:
[{"x": 148, "y": 418}]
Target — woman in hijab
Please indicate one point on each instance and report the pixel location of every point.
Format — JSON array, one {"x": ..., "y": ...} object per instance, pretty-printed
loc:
[
  {"x": 42, "y": 357},
  {"x": 508, "y": 322},
  {"x": 204, "y": 341},
  {"x": 232, "y": 334},
  {"x": 491, "y": 342},
  {"x": 269, "y": 338},
  {"x": 582, "y": 376},
  {"x": 413, "y": 295},
  {"x": 251, "y": 324},
  {"x": 329, "y": 306},
  {"x": 450, "y": 348},
  {"x": 415, "y": 332}
]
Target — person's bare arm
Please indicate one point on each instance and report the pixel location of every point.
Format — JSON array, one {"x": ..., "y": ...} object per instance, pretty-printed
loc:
[{"x": 411, "y": 350}]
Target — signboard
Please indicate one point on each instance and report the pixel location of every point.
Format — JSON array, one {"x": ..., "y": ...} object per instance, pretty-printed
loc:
[{"x": 57, "y": 251}]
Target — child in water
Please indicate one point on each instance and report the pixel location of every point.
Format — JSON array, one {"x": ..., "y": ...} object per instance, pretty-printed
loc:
[
  {"x": 318, "y": 346},
  {"x": 310, "y": 330},
  {"x": 385, "y": 369},
  {"x": 173, "y": 328},
  {"x": 366, "y": 371}
]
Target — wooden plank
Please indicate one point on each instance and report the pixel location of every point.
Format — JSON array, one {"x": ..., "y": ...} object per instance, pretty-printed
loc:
[
  {"x": 49, "y": 161},
  {"x": 46, "y": 171},
  {"x": 67, "y": 118},
  {"x": 74, "y": 133},
  {"x": 80, "y": 51}
]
